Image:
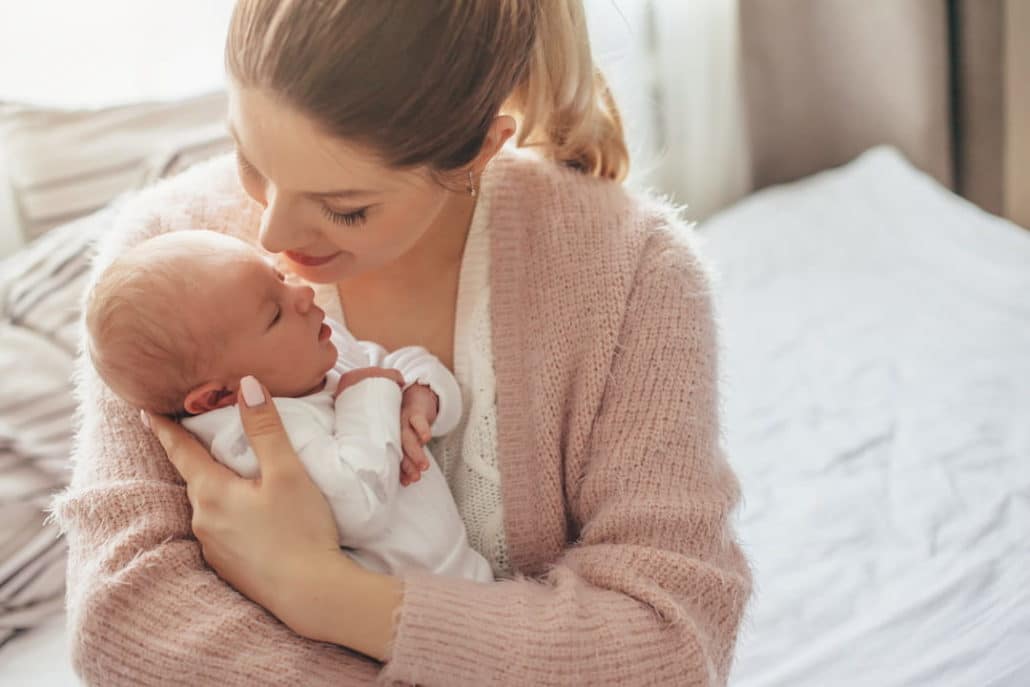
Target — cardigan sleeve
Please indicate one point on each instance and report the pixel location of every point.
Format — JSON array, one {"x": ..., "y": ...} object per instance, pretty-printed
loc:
[
  {"x": 654, "y": 589},
  {"x": 143, "y": 607}
]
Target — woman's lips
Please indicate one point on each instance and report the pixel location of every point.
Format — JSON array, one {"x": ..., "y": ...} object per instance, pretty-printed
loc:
[
  {"x": 324, "y": 333},
  {"x": 309, "y": 260}
]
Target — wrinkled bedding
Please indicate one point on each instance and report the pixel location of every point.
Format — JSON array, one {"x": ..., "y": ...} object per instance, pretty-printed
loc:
[{"x": 876, "y": 369}]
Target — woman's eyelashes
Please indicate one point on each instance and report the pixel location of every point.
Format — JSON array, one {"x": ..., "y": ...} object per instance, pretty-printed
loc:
[
  {"x": 244, "y": 164},
  {"x": 348, "y": 218},
  {"x": 276, "y": 317}
]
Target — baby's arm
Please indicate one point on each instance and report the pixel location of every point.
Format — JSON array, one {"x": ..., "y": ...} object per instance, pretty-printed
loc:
[
  {"x": 431, "y": 406},
  {"x": 366, "y": 442},
  {"x": 356, "y": 466},
  {"x": 419, "y": 366},
  {"x": 349, "y": 379}
]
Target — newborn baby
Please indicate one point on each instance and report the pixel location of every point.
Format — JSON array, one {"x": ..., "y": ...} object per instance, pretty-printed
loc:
[{"x": 175, "y": 322}]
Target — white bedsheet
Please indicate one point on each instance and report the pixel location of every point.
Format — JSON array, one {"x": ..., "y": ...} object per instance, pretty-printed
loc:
[{"x": 877, "y": 410}]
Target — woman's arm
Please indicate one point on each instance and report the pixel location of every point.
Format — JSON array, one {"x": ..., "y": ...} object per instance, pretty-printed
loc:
[
  {"x": 654, "y": 589},
  {"x": 143, "y": 608}
]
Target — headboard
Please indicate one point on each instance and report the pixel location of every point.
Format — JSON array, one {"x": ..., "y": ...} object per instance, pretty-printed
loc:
[{"x": 946, "y": 81}]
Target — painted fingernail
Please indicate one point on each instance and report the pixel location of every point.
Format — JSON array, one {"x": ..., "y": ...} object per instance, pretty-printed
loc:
[
  {"x": 144, "y": 419},
  {"x": 251, "y": 390}
]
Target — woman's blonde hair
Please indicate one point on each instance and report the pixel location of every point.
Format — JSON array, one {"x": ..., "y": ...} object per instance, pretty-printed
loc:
[{"x": 420, "y": 82}]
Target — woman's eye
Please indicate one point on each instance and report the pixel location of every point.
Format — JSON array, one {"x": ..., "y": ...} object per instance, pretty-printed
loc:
[
  {"x": 278, "y": 312},
  {"x": 349, "y": 218}
]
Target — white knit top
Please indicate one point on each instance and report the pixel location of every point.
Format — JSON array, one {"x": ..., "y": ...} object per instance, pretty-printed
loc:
[{"x": 468, "y": 455}]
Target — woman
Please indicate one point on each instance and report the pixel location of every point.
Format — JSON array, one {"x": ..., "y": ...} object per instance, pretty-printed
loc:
[{"x": 575, "y": 316}]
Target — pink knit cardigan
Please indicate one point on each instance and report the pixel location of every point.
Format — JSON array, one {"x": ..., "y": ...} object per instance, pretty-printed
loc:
[{"x": 617, "y": 499}]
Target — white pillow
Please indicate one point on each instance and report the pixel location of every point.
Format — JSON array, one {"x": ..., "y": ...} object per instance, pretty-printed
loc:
[{"x": 59, "y": 165}]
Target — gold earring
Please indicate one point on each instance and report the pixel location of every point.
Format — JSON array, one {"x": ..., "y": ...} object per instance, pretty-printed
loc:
[{"x": 471, "y": 185}]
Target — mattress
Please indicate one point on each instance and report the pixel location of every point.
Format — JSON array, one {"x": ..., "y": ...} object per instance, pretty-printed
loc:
[{"x": 876, "y": 407}]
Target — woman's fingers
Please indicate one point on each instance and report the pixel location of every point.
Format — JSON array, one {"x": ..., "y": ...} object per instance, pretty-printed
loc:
[
  {"x": 189, "y": 457},
  {"x": 265, "y": 430}
]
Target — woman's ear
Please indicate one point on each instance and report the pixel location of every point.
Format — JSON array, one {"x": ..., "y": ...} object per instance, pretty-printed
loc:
[
  {"x": 501, "y": 129},
  {"x": 207, "y": 397}
]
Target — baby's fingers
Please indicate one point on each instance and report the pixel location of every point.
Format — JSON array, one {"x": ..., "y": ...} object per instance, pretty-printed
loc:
[
  {"x": 409, "y": 472},
  {"x": 413, "y": 451},
  {"x": 412, "y": 445},
  {"x": 421, "y": 427}
]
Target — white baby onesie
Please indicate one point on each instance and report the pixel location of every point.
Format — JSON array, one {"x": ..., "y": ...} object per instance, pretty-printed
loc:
[{"x": 351, "y": 448}]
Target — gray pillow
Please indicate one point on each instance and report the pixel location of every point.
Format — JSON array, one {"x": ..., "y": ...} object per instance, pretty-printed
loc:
[{"x": 40, "y": 291}]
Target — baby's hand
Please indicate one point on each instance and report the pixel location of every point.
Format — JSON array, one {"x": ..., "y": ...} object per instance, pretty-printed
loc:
[
  {"x": 418, "y": 412},
  {"x": 351, "y": 378}
]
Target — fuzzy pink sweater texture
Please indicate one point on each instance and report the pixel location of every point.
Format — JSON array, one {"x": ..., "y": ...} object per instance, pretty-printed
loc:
[{"x": 617, "y": 499}]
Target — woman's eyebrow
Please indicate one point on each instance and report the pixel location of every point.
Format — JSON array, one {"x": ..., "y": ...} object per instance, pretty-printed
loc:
[{"x": 343, "y": 194}]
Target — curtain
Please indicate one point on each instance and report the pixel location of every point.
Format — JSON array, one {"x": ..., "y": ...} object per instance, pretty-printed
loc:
[{"x": 674, "y": 68}]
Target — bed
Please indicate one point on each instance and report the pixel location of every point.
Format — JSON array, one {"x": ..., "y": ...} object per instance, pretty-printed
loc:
[
  {"x": 874, "y": 325},
  {"x": 876, "y": 331}
]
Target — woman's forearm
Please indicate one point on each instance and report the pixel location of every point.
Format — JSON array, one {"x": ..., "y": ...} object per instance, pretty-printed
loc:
[{"x": 345, "y": 604}]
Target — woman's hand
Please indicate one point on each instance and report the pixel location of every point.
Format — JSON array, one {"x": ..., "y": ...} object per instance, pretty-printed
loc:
[
  {"x": 418, "y": 412},
  {"x": 270, "y": 537}
]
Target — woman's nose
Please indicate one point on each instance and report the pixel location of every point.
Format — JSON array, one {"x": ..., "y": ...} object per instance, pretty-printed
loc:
[
  {"x": 305, "y": 299},
  {"x": 278, "y": 233}
]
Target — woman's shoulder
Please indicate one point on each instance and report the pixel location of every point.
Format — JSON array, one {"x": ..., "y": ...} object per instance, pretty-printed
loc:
[{"x": 573, "y": 223}]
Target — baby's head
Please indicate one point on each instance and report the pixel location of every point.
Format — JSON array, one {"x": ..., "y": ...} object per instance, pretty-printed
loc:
[{"x": 177, "y": 320}]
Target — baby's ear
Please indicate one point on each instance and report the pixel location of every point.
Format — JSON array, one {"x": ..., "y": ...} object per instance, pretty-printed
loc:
[{"x": 207, "y": 397}]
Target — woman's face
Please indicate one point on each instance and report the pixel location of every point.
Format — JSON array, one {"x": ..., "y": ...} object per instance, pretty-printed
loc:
[{"x": 331, "y": 209}]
